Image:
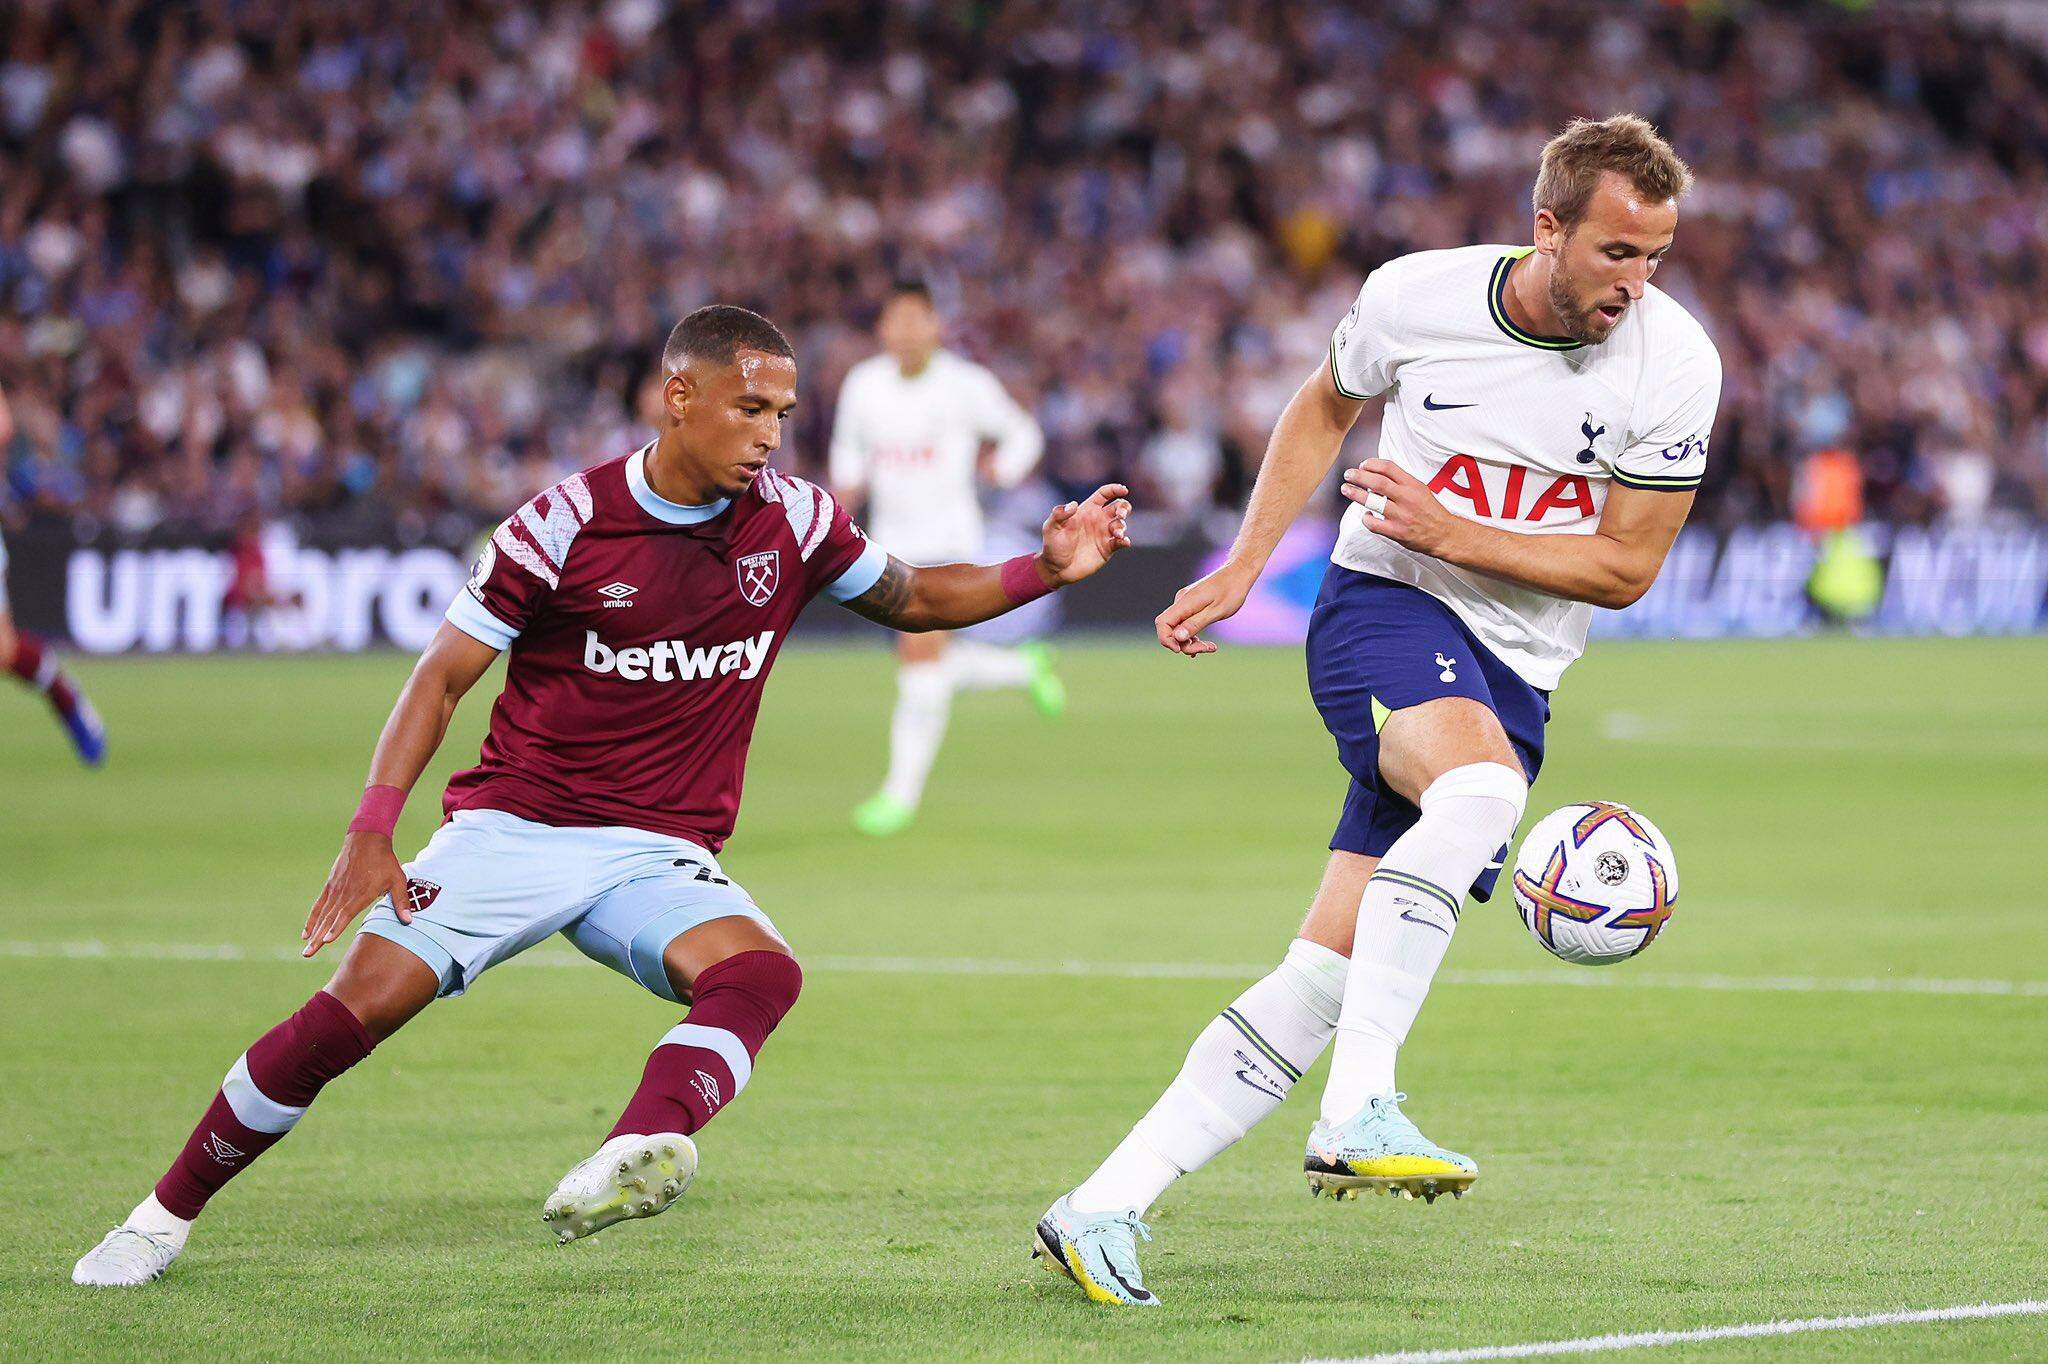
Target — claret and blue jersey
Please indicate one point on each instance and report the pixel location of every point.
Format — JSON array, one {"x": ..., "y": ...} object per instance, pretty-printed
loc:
[{"x": 640, "y": 634}]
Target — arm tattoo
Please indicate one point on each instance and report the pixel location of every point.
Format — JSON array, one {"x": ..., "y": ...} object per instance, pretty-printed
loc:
[{"x": 888, "y": 601}]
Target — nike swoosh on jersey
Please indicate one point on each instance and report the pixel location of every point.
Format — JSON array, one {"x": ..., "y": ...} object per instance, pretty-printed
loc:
[{"x": 1429, "y": 401}]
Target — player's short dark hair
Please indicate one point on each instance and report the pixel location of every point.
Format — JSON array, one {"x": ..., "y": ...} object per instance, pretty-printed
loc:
[
  {"x": 912, "y": 288},
  {"x": 717, "y": 333},
  {"x": 1575, "y": 159}
]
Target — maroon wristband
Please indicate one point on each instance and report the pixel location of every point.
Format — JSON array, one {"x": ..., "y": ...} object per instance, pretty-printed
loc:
[
  {"x": 1021, "y": 582},
  {"x": 378, "y": 813}
]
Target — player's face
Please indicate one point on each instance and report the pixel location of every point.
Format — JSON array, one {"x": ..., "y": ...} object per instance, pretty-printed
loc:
[
  {"x": 730, "y": 417},
  {"x": 909, "y": 330},
  {"x": 1600, "y": 267}
]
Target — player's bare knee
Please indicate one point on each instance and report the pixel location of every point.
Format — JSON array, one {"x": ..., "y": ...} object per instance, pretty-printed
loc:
[
  {"x": 383, "y": 985},
  {"x": 928, "y": 647},
  {"x": 689, "y": 955}
]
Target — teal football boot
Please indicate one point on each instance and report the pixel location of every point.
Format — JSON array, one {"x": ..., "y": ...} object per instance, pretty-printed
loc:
[
  {"x": 1381, "y": 1150},
  {"x": 1100, "y": 1252}
]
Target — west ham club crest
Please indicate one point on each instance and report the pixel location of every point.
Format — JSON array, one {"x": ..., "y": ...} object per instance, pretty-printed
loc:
[{"x": 759, "y": 575}]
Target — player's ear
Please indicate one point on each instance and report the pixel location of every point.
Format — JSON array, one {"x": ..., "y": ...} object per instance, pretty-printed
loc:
[
  {"x": 676, "y": 392},
  {"x": 1550, "y": 233}
]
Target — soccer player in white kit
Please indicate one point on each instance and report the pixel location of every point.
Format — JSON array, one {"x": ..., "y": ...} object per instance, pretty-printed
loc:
[
  {"x": 1546, "y": 422},
  {"x": 907, "y": 440}
]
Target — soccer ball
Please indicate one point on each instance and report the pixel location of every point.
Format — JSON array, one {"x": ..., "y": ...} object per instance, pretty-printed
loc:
[{"x": 1595, "y": 882}]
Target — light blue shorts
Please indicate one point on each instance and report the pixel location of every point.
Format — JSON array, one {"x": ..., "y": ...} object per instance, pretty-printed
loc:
[{"x": 489, "y": 885}]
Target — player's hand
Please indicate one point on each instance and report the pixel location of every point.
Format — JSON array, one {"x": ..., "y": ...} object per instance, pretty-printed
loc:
[
  {"x": 366, "y": 869},
  {"x": 1201, "y": 604},
  {"x": 1081, "y": 536},
  {"x": 1401, "y": 507}
]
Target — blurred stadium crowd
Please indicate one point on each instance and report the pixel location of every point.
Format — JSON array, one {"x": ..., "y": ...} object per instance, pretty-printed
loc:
[{"x": 372, "y": 258}]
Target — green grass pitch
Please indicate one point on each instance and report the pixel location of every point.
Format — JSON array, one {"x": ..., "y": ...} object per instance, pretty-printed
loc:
[{"x": 1656, "y": 1154}]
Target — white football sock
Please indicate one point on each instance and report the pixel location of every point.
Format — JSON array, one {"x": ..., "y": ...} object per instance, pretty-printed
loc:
[
  {"x": 974, "y": 666},
  {"x": 924, "y": 697},
  {"x": 158, "y": 1220},
  {"x": 1406, "y": 920},
  {"x": 1238, "y": 1071}
]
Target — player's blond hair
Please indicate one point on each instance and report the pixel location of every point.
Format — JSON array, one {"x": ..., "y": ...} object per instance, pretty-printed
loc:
[{"x": 1631, "y": 147}]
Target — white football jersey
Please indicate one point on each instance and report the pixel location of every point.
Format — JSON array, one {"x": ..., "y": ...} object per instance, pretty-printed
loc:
[
  {"x": 1519, "y": 432},
  {"x": 912, "y": 442}
]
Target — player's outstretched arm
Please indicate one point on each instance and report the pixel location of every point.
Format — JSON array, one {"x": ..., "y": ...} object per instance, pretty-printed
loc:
[
  {"x": 1080, "y": 537},
  {"x": 367, "y": 866},
  {"x": 1612, "y": 567},
  {"x": 1304, "y": 445}
]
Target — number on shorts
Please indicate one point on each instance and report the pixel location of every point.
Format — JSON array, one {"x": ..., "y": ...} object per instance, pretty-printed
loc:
[{"x": 704, "y": 873}]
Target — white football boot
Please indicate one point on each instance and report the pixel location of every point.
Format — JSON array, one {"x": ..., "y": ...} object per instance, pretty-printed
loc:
[
  {"x": 125, "y": 1257},
  {"x": 628, "y": 1177}
]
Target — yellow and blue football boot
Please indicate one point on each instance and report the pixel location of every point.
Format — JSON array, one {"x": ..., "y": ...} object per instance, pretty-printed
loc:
[
  {"x": 1381, "y": 1150},
  {"x": 1099, "y": 1252}
]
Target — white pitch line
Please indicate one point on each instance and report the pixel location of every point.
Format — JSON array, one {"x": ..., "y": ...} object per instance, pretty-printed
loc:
[
  {"x": 90, "y": 950},
  {"x": 1647, "y": 1339}
]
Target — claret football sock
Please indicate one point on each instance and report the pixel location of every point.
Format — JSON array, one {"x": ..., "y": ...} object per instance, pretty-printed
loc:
[
  {"x": 262, "y": 1098},
  {"x": 704, "y": 1061},
  {"x": 1239, "y": 1070},
  {"x": 1406, "y": 919},
  {"x": 34, "y": 664}
]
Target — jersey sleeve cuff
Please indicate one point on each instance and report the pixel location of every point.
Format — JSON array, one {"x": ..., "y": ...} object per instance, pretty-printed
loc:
[
  {"x": 1673, "y": 483},
  {"x": 864, "y": 573},
  {"x": 470, "y": 616},
  {"x": 1337, "y": 377}
]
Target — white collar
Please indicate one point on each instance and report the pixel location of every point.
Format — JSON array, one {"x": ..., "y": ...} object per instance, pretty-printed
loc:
[{"x": 659, "y": 507}]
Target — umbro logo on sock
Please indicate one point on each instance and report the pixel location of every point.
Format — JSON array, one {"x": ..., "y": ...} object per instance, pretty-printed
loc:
[
  {"x": 221, "y": 1151},
  {"x": 707, "y": 1089}
]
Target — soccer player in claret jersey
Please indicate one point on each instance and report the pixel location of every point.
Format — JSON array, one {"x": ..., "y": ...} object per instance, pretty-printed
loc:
[
  {"x": 24, "y": 654},
  {"x": 642, "y": 603},
  {"x": 1546, "y": 421}
]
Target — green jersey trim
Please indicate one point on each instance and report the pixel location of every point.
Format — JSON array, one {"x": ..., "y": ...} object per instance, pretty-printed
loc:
[{"x": 1338, "y": 379}]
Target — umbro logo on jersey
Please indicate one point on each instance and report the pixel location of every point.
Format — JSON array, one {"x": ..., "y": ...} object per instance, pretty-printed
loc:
[
  {"x": 674, "y": 660},
  {"x": 617, "y": 594},
  {"x": 1430, "y": 403}
]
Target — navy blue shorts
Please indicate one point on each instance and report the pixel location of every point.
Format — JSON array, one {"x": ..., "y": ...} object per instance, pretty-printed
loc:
[{"x": 1376, "y": 646}]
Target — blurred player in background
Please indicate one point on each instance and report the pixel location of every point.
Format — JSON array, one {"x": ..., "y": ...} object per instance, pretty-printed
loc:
[
  {"x": 642, "y": 604},
  {"x": 1546, "y": 423},
  {"x": 907, "y": 444},
  {"x": 29, "y": 658}
]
